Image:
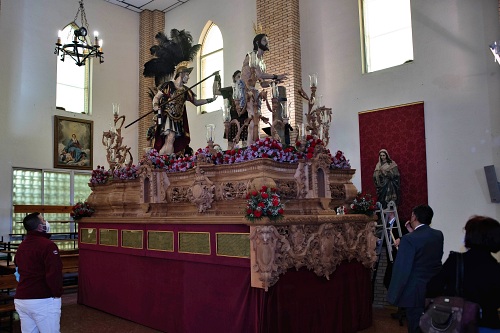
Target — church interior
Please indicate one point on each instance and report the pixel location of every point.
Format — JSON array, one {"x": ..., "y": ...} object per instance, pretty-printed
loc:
[{"x": 436, "y": 114}]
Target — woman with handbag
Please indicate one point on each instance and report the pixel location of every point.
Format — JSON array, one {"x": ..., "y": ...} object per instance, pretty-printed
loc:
[{"x": 480, "y": 272}]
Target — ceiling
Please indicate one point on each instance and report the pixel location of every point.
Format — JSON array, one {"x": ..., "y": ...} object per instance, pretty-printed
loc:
[{"x": 140, "y": 5}]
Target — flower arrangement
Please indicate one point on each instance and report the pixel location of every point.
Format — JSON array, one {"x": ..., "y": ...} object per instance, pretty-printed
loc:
[
  {"x": 81, "y": 209},
  {"x": 339, "y": 161},
  {"x": 363, "y": 204},
  {"x": 308, "y": 146},
  {"x": 126, "y": 173},
  {"x": 265, "y": 202},
  {"x": 263, "y": 148},
  {"x": 100, "y": 176},
  {"x": 170, "y": 163}
]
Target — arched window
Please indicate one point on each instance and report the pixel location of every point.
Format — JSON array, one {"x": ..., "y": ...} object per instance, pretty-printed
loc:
[
  {"x": 72, "y": 91},
  {"x": 211, "y": 60}
]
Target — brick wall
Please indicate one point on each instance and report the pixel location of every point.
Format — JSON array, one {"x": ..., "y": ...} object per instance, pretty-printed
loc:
[
  {"x": 380, "y": 292},
  {"x": 151, "y": 22},
  {"x": 280, "y": 19}
]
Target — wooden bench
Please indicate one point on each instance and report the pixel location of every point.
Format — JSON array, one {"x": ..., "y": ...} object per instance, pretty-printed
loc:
[
  {"x": 28, "y": 209},
  {"x": 8, "y": 285},
  {"x": 70, "y": 269}
]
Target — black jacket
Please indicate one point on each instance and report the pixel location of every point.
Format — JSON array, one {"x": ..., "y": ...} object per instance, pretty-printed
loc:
[{"x": 481, "y": 283}]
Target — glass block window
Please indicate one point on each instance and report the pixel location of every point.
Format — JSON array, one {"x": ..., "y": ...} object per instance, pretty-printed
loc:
[
  {"x": 211, "y": 60},
  {"x": 387, "y": 34},
  {"x": 48, "y": 187}
]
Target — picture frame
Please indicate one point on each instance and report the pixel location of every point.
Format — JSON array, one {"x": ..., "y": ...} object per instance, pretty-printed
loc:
[{"x": 73, "y": 143}]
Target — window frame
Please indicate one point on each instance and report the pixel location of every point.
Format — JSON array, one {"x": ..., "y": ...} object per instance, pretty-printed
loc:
[
  {"x": 87, "y": 77},
  {"x": 365, "y": 39},
  {"x": 42, "y": 191},
  {"x": 206, "y": 32}
]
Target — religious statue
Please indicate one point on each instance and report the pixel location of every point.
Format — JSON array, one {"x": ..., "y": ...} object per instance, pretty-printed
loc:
[
  {"x": 237, "y": 116},
  {"x": 253, "y": 72},
  {"x": 387, "y": 179},
  {"x": 170, "y": 103},
  {"x": 172, "y": 61}
]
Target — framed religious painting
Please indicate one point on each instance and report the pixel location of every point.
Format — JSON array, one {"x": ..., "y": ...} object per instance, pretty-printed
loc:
[{"x": 73, "y": 140}]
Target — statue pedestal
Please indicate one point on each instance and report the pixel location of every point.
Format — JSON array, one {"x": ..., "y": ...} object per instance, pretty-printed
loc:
[{"x": 164, "y": 249}]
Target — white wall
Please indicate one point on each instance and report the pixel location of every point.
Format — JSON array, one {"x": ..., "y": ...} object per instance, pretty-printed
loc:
[
  {"x": 453, "y": 73},
  {"x": 235, "y": 20},
  {"x": 28, "y": 32}
]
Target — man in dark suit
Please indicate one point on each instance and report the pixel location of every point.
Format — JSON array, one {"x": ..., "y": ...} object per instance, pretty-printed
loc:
[{"x": 418, "y": 260}]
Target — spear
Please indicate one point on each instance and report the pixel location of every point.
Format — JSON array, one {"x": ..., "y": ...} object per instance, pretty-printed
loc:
[{"x": 171, "y": 99}]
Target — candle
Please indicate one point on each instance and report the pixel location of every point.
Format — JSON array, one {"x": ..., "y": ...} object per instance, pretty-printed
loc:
[
  {"x": 313, "y": 80},
  {"x": 116, "y": 109},
  {"x": 226, "y": 111},
  {"x": 210, "y": 132},
  {"x": 284, "y": 109}
]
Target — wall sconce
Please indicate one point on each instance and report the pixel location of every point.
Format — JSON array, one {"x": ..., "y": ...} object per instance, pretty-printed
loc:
[
  {"x": 495, "y": 49},
  {"x": 493, "y": 184}
]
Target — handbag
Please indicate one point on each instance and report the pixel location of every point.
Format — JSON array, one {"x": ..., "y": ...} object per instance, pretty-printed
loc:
[{"x": 445, "y": 314}]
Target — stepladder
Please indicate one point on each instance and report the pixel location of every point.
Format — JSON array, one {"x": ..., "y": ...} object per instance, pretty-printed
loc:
[{"x": 388, "y": 229}]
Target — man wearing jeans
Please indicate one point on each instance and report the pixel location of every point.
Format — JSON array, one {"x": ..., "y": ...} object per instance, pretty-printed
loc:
[{"x": 38, "y": 294}]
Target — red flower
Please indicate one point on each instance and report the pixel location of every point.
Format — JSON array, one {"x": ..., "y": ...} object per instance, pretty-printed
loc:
[
  {"x": 257, "y": 213},
  {"x": 249, "y": 210},
  {"x": 261, "y": 205},
  {"x": 280, "y": 211},
  {"x": 275, "y": 202},
  {"x": 264, "y": 195},
  {"x": 264, "y": 188},
  {"x": 254, "y": 193}
]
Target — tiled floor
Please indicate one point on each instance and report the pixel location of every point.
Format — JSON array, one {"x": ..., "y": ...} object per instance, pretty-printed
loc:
[{"x": 82, "y": 319}]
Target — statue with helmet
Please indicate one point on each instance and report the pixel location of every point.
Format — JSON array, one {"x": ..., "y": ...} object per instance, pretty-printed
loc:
[{"x": 171, "y": 129}]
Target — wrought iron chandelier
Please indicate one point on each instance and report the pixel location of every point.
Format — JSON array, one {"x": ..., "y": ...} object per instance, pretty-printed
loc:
[{"x": 80, "y": 49}]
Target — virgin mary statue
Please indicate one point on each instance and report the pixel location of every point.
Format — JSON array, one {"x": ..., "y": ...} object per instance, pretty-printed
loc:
[{"x": 386, "y": 179}]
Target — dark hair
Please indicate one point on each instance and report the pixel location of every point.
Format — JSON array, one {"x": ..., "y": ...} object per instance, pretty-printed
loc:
[
  {"x": 236, "y": 73},
  {"x": 31, "y": 221},
  {"x": 482, "y": 232},
  {"x": 423, "y": 213},
  {"x": 256, "y": 41}
]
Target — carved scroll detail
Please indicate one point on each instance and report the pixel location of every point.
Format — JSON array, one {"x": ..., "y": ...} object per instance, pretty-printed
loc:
[
  {"x": 270, "y": 248},
  {"x": 231, "y": 191},
  {"x": 287, "y": 189},
  {"x": 321, "y": 248},
  {"x": 178, "y": 194},
  {"x": 338, "y": 191},
  {"x": 201, "y": 193}
]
